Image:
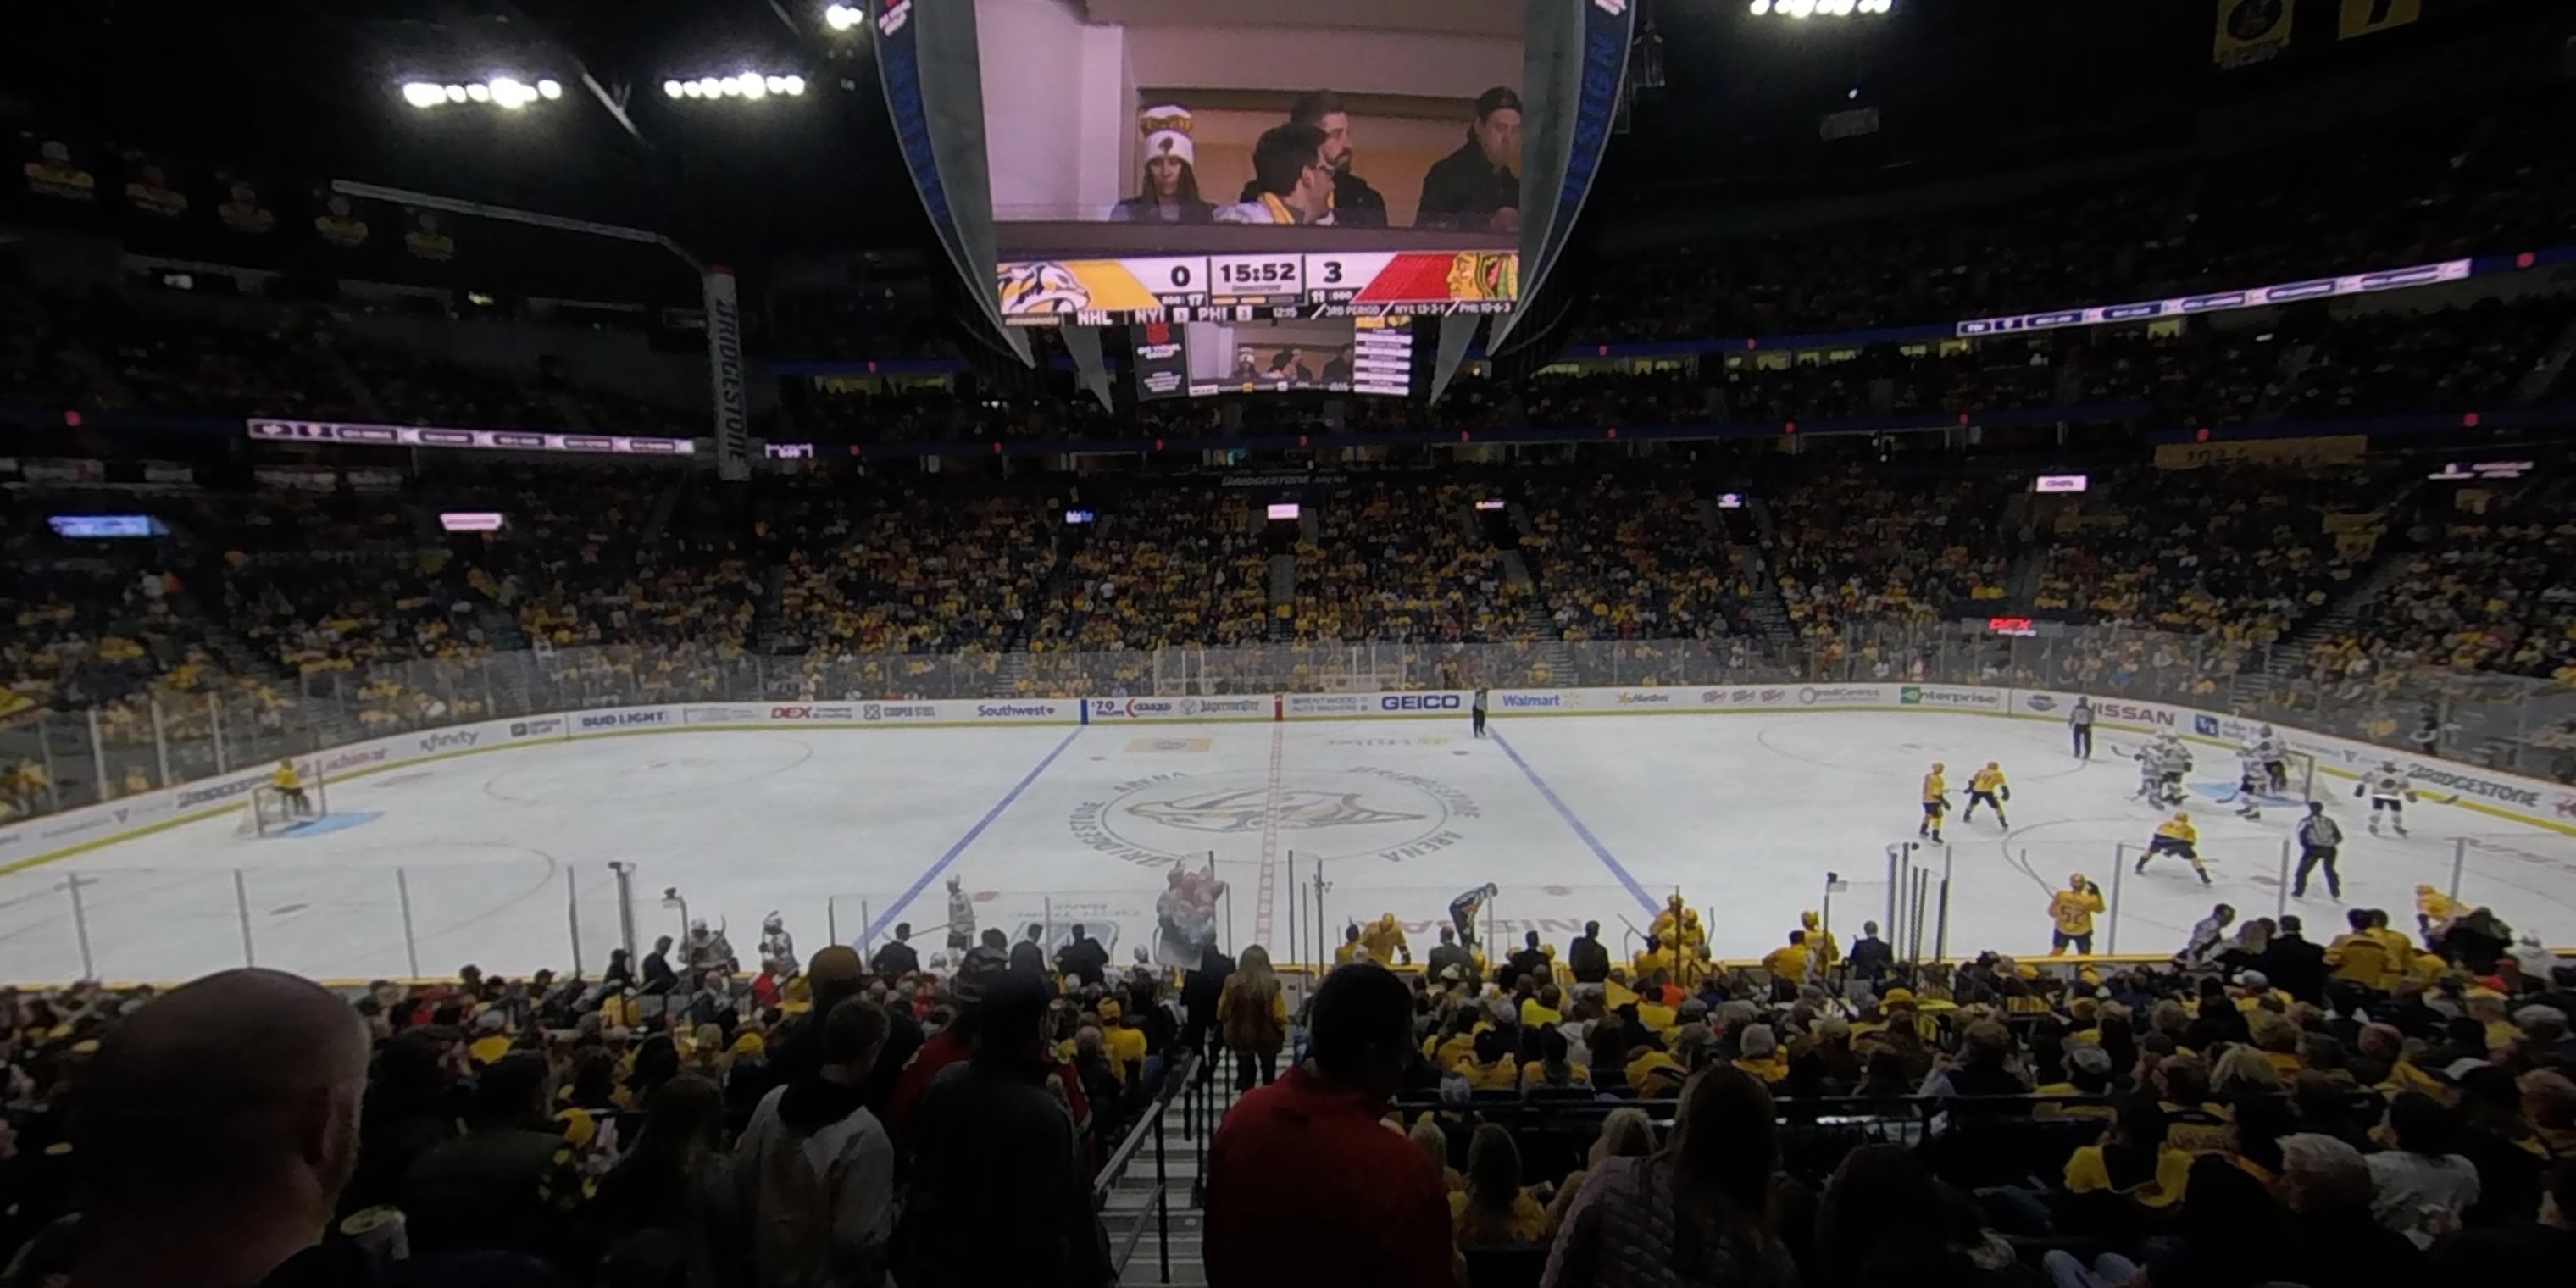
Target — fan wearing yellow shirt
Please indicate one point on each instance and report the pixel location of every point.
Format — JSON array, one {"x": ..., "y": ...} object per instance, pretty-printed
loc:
[
  {"x": 2176, "y": 835},
  {"x": 1936, "y": 802},
  {"x": 1491, "y": 1067},
  {"x": 2072, "y": 910},
  {"x": 1987, "y": 787}
]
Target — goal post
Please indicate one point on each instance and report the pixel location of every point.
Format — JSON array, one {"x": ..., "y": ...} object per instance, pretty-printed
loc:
[{"x": 269, "y": 811}]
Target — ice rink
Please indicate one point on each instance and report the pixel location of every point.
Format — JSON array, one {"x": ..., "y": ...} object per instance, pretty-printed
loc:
[{"x": 502, "y": 859}]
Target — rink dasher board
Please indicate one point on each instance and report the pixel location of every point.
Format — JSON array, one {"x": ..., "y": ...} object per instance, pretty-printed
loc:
[{"x": 2528, "y": 801}]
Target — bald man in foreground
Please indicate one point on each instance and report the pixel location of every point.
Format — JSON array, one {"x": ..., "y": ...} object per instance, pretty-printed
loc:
[{"x": 217, "y": 1127}]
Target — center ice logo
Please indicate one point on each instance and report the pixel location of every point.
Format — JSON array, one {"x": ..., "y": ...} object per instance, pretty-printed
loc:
[
  {"x": 1349, "y": 813},
  {"x": 1249, "y": 810}
]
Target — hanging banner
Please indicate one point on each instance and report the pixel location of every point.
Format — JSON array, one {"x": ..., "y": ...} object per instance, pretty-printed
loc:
[
  {"x": 2362, "y": 17},
  {"x": 2250, "y": 31},
  {"x": 724, "y": 367},
  {"x": 1574, "y": 65}
]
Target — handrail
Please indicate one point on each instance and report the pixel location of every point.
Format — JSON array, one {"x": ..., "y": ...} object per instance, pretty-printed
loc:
[
  {"x": 1136, "y": 1135},
  {"x": 1158, "y": 1202}
]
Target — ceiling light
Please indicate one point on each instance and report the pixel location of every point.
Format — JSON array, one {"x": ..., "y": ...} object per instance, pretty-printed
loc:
[
  {"x": 549, "y": 90},
  {"x": 423, "y": 94},
  {"x": 479, "y": 92},
  {"x": 674, "y": 88},
  {"x": 456, "y": 94}
]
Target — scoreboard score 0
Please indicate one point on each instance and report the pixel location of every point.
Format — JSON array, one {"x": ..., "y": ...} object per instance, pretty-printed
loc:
[{"x": 1245, "y": 288}]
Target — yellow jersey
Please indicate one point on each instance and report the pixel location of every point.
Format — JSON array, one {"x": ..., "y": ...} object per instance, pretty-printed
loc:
[
  {"x": 1986, "y": 780},
  {"x": 2178, "y": 831},
  {"x": 1383, "y": 939},
  {"x": 285, "y": 779},
  {"x": 1504, "y": 1074},
  {"x": 1788, "y": 961},
  {"x": 1935, "y": 788},
  {"x": 2073, "y": 911},
  {"x": 1684, "y": 930},
  {"x": 1347, "y": 952}
]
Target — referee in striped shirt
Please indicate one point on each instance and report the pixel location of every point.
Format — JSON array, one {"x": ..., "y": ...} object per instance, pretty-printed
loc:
[{"x": 2318, "y": 837}]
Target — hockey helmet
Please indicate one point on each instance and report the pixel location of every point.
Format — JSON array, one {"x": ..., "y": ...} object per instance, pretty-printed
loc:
[
  {"x": 697, "y": 929},
  {"x": 1994, "y": 764},
  {"x": 2181, "y": 817},
  {"x": 1808, "y": 919},
  {"x": 2266, "y": 731},
  {"x": 774, "y": 922},
  {"x": 2075, "y": 882},
  {"x": 1938, "y": 767}
]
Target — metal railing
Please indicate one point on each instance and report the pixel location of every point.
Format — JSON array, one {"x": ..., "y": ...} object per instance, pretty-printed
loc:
[
  {"x": 2511, "y": 723},
  {"x": 1158, "y": 1204}
]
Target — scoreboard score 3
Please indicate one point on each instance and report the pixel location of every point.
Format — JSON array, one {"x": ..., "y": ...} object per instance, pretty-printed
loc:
[{"x": 1246, "y": 288}]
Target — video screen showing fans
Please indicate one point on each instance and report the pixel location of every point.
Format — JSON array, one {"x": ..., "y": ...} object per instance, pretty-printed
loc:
[
  {"x": 1246, "y": 159},
  {"x": 1327, "y": 355}
]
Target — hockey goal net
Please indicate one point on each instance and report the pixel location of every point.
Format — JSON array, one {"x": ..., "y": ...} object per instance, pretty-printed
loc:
[{"x": 270, "y": 811}]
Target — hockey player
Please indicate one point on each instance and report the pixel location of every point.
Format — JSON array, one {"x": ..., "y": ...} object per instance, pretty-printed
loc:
[
  {"x": 961, "y": 916},
  {"x": 707, "y": 950},
  {"x": 2253, "y": 777},
  {"x": 777, "y": 948},
  {"x": 2388, "y": 793},
  {"x": 1384, "y": 940},
  {"x": 1677, "y": 924},
  {"x": 2072, "y": 909},
  {"x": 1936, "y": 802},
  {"x": 1988, "y": 785},
  {"x": 290, "y": 787},
  {"x": 2079, "y": 723},
  {"x": 2176, "y": 835},
  {"x": 2173, "y": 760},
  {"x": 1828, "y": 953},
  {"x": 2151, "y": 773},
  {"x": 2276, "y": 758}
]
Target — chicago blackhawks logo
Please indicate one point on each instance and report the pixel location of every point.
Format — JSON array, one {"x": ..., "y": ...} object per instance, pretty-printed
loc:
[{"x": 1327, "y": 814}]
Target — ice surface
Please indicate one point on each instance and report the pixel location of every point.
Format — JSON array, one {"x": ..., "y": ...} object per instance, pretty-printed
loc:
[{"x": 502, "y": 858}]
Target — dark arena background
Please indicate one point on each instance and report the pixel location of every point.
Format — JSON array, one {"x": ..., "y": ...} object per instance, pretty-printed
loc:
[{"x": 696, "y": 564}]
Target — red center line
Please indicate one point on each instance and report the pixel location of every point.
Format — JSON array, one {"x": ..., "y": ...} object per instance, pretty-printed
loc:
[{"x": 1264, "y": 902}]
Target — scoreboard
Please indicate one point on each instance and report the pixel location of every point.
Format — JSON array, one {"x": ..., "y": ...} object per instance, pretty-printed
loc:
[{"x": 1251, "y": 288}]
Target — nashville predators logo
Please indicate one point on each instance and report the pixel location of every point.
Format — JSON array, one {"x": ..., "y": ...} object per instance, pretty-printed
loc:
[
  {"x": 1249, "y": 810},
  {"x": 1484, "y": 275},
  {"x": 1371, "y": 811},
  {"x": 1042, "y": 287}
]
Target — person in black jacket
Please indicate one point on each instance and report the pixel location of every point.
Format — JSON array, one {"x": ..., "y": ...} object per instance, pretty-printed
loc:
[
  {"x": 1200, "y": 990},
  {"x": 1083, "y": 958},
  {"x": 1030, "y": 953},
  {"x": 2294, "y": 965},
  {"x": 897, "y": 958},
  {"x": 1355, "y": 203},
  {"x": 1479, "y": 185},
  {"x": 999, "y": 1193},
  {"x": 658, "y": 975},
  {"x": 1870, "y": 959},
  {"x": 1587, "y": 957}
]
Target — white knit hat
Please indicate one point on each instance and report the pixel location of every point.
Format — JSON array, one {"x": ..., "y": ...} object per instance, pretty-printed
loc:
[{"x": 1167, "y": 131}]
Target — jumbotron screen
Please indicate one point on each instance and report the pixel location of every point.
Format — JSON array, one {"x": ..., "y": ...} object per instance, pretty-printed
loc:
[
  {"x": 1241, "y": 161},
  {"x": 1324, "y": 355}
]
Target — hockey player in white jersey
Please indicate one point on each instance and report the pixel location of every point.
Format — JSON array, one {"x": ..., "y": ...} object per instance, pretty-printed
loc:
[
  {"x": 2253, "y": 778},
  {"x": 961, "y": 916},
  {"x": 777, "y": 948},
  {"x": 2388, "y": 792},
  {"x": 2276, "y": 758},
  {"x": 2173, "y": 760},
  {"x": 2151, "y": 773}
]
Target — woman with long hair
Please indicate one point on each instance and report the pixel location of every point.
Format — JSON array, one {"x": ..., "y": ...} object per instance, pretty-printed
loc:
[
  {"x": 1168, "y": 192},
  {"x": 1252, "y": 1014},
  {"x": 1626, "y": 1133},
  {"x": 677, "y": 1177},
  {"x": 1696, "y": 1212},
  {"x": 1494, "y": 1211}
]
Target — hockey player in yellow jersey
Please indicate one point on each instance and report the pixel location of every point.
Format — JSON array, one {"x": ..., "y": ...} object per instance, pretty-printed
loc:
[
  {"x": 1987, "y": 786},
  {"x": 1678, "y": 925},
  {"x": 1828, "y": 953},
  {"x": 1936, "y": 802},
  {"x": 2072, "y": 909},
  {"x": 2176, "y": 835},
  {"x": 290, "y": 787},
  {"x": 1384, "y": 940}
]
